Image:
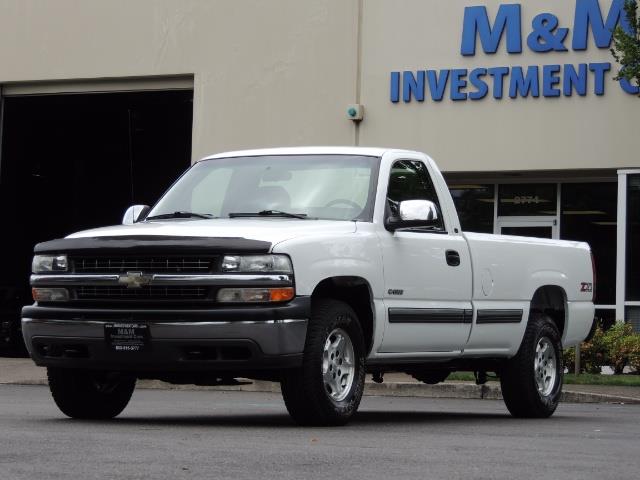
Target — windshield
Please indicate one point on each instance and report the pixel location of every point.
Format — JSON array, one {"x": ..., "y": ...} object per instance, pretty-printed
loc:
[{"x": 334, "y": 187}]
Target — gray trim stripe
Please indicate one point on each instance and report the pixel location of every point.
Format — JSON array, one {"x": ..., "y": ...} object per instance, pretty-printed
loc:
[
  {"x": 430, "y": 315},
  {"x": 498, "y": 316}
]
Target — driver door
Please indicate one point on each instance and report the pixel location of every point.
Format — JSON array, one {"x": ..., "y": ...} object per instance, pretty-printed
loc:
[{"x": 427, "y": 273}]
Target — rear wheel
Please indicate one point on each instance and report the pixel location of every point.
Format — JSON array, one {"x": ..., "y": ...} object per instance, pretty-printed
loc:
[
  {"x": 90, "y": 395},
  {"x": 328, "y": 388},
  {"x": 532, "y": 380}
]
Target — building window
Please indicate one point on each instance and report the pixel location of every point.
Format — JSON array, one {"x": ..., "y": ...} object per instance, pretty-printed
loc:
[
  {"x": 633, "y": 239},
  {"x": 588, "y": 214},
  {"x": 632, "y": 316},
  {"x": 475, "y": 204},
  {"x": 532, "y": 199}
]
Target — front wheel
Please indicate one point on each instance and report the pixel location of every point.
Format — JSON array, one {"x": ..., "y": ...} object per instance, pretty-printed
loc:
[
  {"x": 90, "y": 395},
  {"x": 328, "y": 388},
  {"x": 532, "y": 380}
]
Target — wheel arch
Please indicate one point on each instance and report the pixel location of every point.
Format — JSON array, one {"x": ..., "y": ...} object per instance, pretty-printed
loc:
[
  {"x": 357, "y": 293},
  {"x": 550, "y": 300}
]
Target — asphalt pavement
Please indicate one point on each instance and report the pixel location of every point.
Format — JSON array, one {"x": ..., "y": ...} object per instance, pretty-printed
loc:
[
  {"x": 22, "y": 371},
  {"x": 186, "y": 434}
]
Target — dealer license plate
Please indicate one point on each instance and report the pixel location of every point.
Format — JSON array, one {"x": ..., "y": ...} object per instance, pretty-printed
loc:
[{"x": 127, "y": 337}]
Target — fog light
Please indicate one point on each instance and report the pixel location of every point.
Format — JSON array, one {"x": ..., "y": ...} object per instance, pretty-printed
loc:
[
  {"x": 255, "y": 295},
  {"x": 50, "y": 294}
]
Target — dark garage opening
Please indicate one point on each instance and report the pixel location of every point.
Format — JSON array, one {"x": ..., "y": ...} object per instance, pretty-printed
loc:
[{"x": 71, "y": 162}]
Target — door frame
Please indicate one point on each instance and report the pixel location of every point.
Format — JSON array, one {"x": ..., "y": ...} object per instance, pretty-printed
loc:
[
  {"x": 99, "y": 85},
  {"x": 441, "y": 317}
]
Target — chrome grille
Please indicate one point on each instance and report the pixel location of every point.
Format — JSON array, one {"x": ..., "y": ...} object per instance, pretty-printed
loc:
[
  {"x": 156, "y": 264},
  {"x": 144, "y": 293}
]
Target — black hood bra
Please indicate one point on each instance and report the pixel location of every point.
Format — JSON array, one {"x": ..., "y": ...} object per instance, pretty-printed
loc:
[{"x": 152, "y": 244}]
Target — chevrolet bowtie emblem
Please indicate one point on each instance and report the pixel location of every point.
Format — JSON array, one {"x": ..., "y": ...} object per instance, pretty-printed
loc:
[{"x": 134, "y": 279}]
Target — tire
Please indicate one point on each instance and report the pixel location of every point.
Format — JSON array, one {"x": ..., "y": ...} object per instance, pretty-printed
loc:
[
  {"x": 90, "y": 395},
  {"x": 532, "y": 380},
  {"x": 321, "y": 393}
]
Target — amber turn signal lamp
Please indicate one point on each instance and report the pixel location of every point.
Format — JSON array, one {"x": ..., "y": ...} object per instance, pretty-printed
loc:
[{"x": 280, "y": 294}]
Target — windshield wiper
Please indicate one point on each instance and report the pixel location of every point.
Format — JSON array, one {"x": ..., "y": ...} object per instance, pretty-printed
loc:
[
  {"x": 269, "y": 213},
  {"x": 180, "y": 214}
]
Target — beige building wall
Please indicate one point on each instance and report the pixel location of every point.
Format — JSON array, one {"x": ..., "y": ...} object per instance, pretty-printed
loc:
[
  {"x": 266, "y": 73},
  {"x": 281, "y": 72},
  {"x": 488, "y": 134}
]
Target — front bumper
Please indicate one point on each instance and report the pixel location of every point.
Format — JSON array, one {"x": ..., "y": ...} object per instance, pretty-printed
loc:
[{"x": 221, "y": 339}]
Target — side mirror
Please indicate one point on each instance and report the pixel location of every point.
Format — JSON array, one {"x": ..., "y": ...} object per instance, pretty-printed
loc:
[
  {"x": 134, "y": 214},
  {"x": 413, "y": 213}
]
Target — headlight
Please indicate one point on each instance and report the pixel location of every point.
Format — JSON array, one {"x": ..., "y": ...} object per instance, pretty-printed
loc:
[
  {"x": 49, "y": 263},
  {"x": 257, "y": 264}
]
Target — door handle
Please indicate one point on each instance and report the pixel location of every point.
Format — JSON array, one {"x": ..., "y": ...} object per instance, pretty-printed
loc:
[{"x": 453, "y": 258}]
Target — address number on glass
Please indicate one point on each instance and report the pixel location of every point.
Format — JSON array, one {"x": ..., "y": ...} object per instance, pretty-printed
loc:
[{"x": 526, "y": 199}]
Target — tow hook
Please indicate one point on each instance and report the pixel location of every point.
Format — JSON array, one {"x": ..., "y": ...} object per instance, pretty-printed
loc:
[{"x": 377, "y": 377}]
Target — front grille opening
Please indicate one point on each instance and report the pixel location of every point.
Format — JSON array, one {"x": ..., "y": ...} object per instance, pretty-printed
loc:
[
  {"x": 47, "y": 350},
  {"x": 217, "y": 353},
  {"x": 147, "y": 264},
  {"x": 52, "y": 350}
]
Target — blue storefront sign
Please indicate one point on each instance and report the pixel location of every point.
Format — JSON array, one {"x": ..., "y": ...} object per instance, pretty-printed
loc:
[{"x": 545, "y": 35}]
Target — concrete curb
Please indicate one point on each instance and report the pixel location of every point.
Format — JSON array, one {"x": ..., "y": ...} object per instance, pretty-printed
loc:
[
  {"x": 412, "y": 389},
  {"x": 488, "y": 391},
  {"x": 586, "y": 397}
]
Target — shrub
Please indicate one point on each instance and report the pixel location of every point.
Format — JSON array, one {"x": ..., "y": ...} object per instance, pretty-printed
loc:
[
  {"x": 634, "y": 361},
  {"x": 593, "y": 354},
  {"x": 569, "y": 357},
  {"x": 617, "y": 347},
  {"x": 621, "y": 346}
]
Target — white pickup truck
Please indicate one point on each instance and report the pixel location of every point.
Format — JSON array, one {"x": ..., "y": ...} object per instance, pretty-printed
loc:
[{"x": 310, "y": 267}]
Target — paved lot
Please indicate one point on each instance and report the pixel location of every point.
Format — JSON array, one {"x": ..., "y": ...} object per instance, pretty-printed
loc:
[
  {"x": 22, "y": 371},
  {"x": 199, "y": 434}
]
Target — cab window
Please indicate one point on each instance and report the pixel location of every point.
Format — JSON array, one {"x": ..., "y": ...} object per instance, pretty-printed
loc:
[{"x": 410, "y": 180}]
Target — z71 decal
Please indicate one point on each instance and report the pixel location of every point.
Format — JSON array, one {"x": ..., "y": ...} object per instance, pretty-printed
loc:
[{"x": 586, "y": 287}]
